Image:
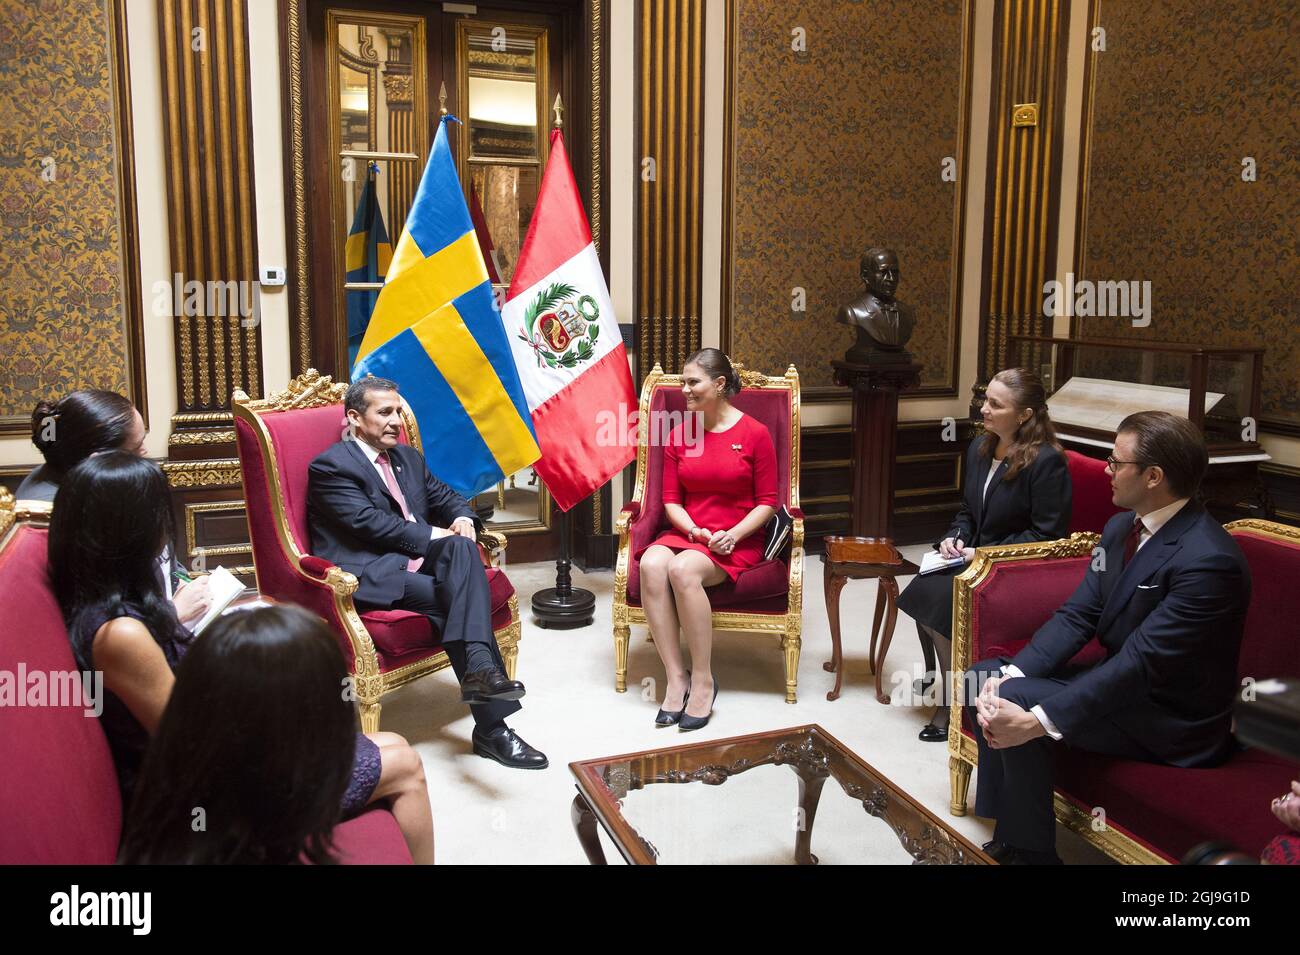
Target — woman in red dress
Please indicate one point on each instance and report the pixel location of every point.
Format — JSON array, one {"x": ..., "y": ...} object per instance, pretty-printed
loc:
[{"x": 719, "y": 492}]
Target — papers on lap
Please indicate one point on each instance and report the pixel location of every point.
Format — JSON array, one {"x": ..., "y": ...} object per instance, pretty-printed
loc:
[{"x": 932, "y": 562}]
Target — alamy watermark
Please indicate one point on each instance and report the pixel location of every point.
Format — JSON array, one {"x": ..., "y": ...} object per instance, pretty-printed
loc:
[
  {"x": 1087, "y": 299},
  {"x": 208, "y": 299},
  {"x": 71, "y": 689},
  {"x": 621, "y": 428}
]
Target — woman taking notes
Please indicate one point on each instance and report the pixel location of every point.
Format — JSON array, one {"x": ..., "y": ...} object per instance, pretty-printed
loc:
[
  {"x": 719, "y": 493},
  {"x": 1017, "y": 490}
]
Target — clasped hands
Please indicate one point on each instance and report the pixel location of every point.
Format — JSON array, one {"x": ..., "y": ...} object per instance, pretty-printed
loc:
[
  {"x": 720, "y": 542},
  {"x": 461, "y": 526},
  {"x": 1004, "y": 723}
]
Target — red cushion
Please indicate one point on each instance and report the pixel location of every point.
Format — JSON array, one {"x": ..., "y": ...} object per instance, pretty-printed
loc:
[
  {"x": 396, "y": 632},
  {"x": 765, "y": 581},
  {"x": 1016, "y": 598},
  {"x": 372, "y": 838},
  {"x": 59, "y": 801},
  {"x": 1091, "y": 504},
  {"x": 1173, "y": 809},
  {"x": 1268, "y": 646}
]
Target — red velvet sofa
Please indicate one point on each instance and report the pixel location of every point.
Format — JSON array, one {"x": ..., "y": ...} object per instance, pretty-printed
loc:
[
  {"x": 59, "y": 799},
  {"x": 1152, "y": 813}
]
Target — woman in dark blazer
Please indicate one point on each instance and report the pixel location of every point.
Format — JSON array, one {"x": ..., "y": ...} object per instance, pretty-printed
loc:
[{"x": 1017, "y": 490}]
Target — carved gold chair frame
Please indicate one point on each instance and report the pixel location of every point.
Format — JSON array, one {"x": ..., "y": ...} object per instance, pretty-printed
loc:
[
  {"x": 15, "y": 512},
  {"x": 962, "y": 756},
  {"x": 313, "y": 390},
  {"x": 788, "y": 626}
]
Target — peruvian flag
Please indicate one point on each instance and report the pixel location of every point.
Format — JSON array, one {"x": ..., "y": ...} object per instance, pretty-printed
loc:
[{"x": 560, "y": 322}]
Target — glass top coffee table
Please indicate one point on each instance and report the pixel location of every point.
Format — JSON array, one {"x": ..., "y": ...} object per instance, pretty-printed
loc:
[{"x": 752, "y": 820}]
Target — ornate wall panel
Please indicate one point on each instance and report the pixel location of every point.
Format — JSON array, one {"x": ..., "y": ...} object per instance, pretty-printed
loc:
[
  {"x": 69, "y": 285},
  {"x": 670, "y": 147},
  {"x": 1176, "y": 102},
  {"x": 210, "y": 200},
  {"x": 841, "y": 115},
  {"x": 1026, "y": 134}
]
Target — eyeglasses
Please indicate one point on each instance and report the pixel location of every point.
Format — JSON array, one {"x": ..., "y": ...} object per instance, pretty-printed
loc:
[{"x": 1112, "y": 463}]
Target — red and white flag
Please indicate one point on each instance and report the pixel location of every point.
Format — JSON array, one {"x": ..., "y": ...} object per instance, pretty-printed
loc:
[{"x": 567, "y": 346}]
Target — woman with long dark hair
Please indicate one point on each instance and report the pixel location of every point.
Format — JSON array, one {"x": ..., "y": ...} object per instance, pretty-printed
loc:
[
  {"x": 111, "y": 520},
  {"x": 90, "y": 422},
  {"x": 69, "y": 430},
  {"x": 258, "y": 738},
  {"x": 718, "y": 498},
  {"x": 1017, "y": 490}
]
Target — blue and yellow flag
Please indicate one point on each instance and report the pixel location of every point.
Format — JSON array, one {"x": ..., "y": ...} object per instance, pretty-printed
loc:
[
  {"x": 366, "y": 259},
  {"x": 436, "y": 331}
]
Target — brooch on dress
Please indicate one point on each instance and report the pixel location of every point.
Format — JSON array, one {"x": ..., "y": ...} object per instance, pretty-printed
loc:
[{"x": 735, "y": 447}]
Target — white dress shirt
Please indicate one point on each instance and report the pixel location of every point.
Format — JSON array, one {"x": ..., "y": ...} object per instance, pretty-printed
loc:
[{"x": 1152, "y": 521}]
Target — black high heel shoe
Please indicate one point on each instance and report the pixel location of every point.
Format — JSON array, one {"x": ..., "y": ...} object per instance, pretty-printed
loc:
[
  {"x": 670, "y": 718},
  {"x": 689, "y": 722},
  {"x": 934, "y": 731}
]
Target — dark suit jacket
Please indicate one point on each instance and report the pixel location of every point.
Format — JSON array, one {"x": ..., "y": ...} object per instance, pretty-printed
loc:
[
  {"x": 1033, "y": 506},
  {"x": 356, "y": 524},
  {"x": 1171, "y": 623}
]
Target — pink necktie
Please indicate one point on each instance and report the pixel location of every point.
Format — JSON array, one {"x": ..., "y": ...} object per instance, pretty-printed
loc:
[{"x": 391, "y": 480}]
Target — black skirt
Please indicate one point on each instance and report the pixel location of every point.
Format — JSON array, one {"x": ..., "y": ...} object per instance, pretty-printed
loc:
[{"x": 928, "y": 599}]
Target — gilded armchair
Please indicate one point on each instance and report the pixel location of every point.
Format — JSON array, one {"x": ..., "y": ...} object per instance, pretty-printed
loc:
[
  {"x": 767, "y": 598},
  {"x": 277, "y": 438}
]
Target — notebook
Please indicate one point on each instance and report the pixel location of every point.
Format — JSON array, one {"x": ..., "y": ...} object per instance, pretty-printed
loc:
[
  {"x": 223, "y": 587},
  {"x": 932, "y": 562}
]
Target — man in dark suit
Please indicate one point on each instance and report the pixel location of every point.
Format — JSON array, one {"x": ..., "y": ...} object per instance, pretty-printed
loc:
[
  {"x": 1166, "y": 595},
  {"x": 377, "y": 512}
]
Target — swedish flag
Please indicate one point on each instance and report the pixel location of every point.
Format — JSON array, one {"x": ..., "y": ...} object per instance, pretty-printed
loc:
[
  {"x": 366, "y": 259},
  {"x": 436, "y": 331}
]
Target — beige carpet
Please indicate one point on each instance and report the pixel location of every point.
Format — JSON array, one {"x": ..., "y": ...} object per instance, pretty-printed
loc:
[{"x": 485, "y": 813}]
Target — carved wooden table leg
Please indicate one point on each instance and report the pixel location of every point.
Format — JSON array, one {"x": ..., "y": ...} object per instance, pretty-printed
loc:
[
  {"x": 875, "y": 625},
  {"x": 810, "y": 794},
  {"x": 890, "y": 587},
  {"x": 834, "y": 584},
  {"x": 585, "y": 825}
]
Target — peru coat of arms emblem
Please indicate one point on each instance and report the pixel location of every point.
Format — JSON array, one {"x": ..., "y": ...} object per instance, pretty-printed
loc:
[{"x": 561, "y": 326}]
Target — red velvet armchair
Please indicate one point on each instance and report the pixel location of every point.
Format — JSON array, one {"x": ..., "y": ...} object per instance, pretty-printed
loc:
[
  {"x": 59, "y": 796},
  {"x": 1092, "y": 504},
  {"x": 1153, "y": 813},
  {"x": 767, "y": 598},
  {"x": 277, "y": 439}
]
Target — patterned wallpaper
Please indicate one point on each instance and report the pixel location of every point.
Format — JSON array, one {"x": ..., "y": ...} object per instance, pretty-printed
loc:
[
  {"x": 1179, "y": 100},
  {"x": 835, "y": 149},
  {"x": 61, "y": 297}
]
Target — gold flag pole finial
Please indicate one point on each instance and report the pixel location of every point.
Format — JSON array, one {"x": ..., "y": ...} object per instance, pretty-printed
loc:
[
  {"x": 442, "y": 99},
  {"x": 558, "y": 106}
]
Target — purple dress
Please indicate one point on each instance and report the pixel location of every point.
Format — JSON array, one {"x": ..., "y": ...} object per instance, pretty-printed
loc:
[{"x": 128, "y": 740}]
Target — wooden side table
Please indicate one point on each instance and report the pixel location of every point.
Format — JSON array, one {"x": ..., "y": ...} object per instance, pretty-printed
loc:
[{"x": 863, "y": 558}]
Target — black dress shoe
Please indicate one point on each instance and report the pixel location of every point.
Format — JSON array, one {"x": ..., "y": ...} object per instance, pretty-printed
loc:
[
  {"x": 932, "y": 734},
  {"x": 935, "y": 732},
  {"x": 489, "y": 685},
  {"x": 997, "y": 851},
  {"x": 689, "y": 722},
  {"x": 507, "y": 748},
  {"x": 671, "y": 717}
]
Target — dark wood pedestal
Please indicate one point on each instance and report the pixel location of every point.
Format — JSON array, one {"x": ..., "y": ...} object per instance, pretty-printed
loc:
[{"x": 875, "y": 430}]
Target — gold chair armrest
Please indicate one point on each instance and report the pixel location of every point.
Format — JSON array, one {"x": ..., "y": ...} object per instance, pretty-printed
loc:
[{"x": 495, "y": 544}]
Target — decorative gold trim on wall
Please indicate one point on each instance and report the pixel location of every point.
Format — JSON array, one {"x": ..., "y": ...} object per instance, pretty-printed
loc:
[
  {"x": 207, "y": 137},
  {"x": 191, "y": 529},
  {"x": 1022, "y": 208},
  {"x": 215, "y": 472},
  {"x": 180, "y": 438},
  {"x": 670, "y": 131}
]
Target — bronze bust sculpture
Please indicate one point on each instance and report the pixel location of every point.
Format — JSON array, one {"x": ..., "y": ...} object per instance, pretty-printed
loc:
[{"x": 883, "y": 323}]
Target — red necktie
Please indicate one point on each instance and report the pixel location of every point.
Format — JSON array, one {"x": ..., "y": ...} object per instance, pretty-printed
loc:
[
  {"x": 390, "y": 479},
  {"x": 1131, "y": 542}
]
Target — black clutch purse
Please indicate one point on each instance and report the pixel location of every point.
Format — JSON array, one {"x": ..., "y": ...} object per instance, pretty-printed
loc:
[{"x": 777, "y": 537}]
